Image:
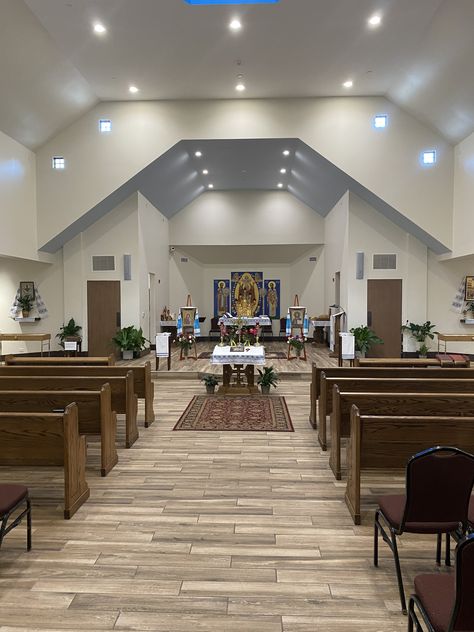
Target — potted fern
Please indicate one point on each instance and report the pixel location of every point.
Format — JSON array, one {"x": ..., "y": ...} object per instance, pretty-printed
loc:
[
  {"x": 211, "y": 382},
  {"x": 364, "y": 339},
  {"x": 268, "y": 377},
  {"x": 26, "y": 303},
  {"x": 69, "y": 332},
  {"x": 420, "y": 332}
]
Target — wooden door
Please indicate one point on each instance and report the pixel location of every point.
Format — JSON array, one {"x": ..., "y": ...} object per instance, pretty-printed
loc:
[
  {"x": 384, "y": 316},
  {"x": 103, "y": 316}
]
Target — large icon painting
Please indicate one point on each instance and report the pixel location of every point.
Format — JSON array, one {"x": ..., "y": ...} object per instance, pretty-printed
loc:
[
  {"x": 246, "y": 293},
  {"x": 272, "y": 298},
  {"x": 221, "y": 296}
]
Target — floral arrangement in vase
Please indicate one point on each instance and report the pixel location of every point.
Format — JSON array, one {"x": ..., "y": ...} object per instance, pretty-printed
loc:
[
  {"x": 297, "y": 342},
  {"x": 186, "y": 341}
]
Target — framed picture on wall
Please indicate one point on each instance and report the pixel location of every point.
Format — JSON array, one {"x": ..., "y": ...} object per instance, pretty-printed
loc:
[
  {"x": 27, "y": 288},
  {"x": 469, "y": 289}
]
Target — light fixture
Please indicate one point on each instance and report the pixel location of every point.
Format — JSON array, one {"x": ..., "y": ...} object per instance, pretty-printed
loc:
[
  {"x": 210, "y": 186},
  {"x": 283, "y": 170},
  {"x": 286, "y": 152},
  {"x": 99, "y": 28},
  {"x": 380, "y": 121},
  {"x": 205, "y": 172},
  {"x": 133, "y": 89},
  {"x": 235, "y": 25},
  {"x": 374, "y": 20},
  {"x": 429, "y": 157},
  {"x": 198, "y": 154},
  {"x": 280, "y": 185},
  {"x": 240, "y": 87},
  {"x": 348, "y": 84}
]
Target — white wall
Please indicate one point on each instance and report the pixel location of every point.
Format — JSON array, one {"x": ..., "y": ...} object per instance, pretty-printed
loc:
[
  {"x": 17, "y": 200},
  {"x": 49, "y": 279},
  {"x": 338, "y": 128},
  {"x": 307, "y": 281},
  {"x": 246, "y": 217},
  {"x": 463, "y": 228},
  {"x": 336, "y": 227}
]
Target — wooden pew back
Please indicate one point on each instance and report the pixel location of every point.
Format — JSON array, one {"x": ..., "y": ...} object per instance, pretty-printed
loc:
[
  {"x": 24, "y": 360},
  {"x": 46, "y": 439},
  {"x": 386, "y": 442}
]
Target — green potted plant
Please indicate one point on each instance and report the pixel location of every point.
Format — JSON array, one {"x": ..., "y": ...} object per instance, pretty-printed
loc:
[
  {"x": 297, "y": 343},
  {"x": 469, "y": 309},
  {"x": 268, "y": 377},
  {"x": 186, "y": 341},
  {"x": 70, "y": 331},
  {"x": 420, "y": 332},
  {"x": 26, "y": 303},
  {"x": 364, "y": 339},
  {"x": 211, "y": 382},
  {"x": 130, "y": 341}
]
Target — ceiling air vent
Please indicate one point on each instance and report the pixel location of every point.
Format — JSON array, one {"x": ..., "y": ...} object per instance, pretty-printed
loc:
[
  {"x": 103, "y": 263},
  {"x": 385, "y": 262}
]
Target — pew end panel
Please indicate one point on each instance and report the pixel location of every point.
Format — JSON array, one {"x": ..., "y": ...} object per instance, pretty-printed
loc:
[
  {"x": 352, "y": 496},
  {"x": 322, "y": 412},
  {"x": 76, "y": 489},
  {"x": 149, "y": 396},
  {"x": 335, "y": 451}
]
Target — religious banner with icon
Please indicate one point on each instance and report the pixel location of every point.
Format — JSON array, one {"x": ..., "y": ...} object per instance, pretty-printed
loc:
[
  {"x": 272, "y": 298},
  {"x": 221, "y": 296},
  {"x": 246, "y": 293}
]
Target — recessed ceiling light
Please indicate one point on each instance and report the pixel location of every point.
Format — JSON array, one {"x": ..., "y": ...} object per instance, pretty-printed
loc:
[
  {"x": 99, "y": 28},
  {"x": 210, "y": 186},
  {"x": 286, "y": 152},
  {"x": 283, "y": 170},
  {"x": 374, "y": 20},
  {"x": 348, "y": 84},
  {"x": 205, "y": 172},
  {"x": 280, "y": 185},
  {"x": 133, "y": 89},
  {"x": 240, "y": 87},
  {"x": 198, "y": 154},
  {"x": 235, "y": 25}
]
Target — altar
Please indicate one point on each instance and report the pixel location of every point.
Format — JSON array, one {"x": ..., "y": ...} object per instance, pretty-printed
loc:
[{"x": 233, "y": 365}]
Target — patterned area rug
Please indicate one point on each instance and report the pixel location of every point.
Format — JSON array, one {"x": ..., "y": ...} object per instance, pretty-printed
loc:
[
  {"x": 269, "y": 355},
  {"x": 247, "y": 412}
]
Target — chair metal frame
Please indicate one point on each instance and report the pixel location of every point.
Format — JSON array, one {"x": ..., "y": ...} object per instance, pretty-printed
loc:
[
  {"x": 391, "y": 540},
  {"x": 6, "y": 528},
  {"x": 415, "y": 601}
]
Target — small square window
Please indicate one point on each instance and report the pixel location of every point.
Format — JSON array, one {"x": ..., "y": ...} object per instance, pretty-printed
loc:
[
  {"x": 105, "y": 125},
  {"x": 380, "y": 121},
  {"x": 58, "y": 162},
  {"x": 429, "y": 157}
]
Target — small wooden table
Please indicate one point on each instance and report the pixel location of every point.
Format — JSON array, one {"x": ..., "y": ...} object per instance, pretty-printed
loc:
[
  {"x": 453, "y": 338},
  {"x": 41, "y": 338},
  {"x": 233, "y": 365}
]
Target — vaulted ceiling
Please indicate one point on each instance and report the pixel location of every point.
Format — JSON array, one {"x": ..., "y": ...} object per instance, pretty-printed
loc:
[{"x": 54, "y": 68}]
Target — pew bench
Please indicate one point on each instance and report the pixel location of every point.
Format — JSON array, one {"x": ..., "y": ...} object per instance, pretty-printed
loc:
[
  {"x": 94, "y": 410},
  {"x": 24, "y": 360},
  {"x": 48, "y": 439},
  {"x": 380, "y": 442},
  {"x": 124, "y": 400},
  {"x": 390, "y": 404},
  {"x": 142, "y": 382}
]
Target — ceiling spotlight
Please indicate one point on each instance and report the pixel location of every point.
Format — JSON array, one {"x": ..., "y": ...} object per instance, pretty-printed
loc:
[
  {"x": 133, "y": 89},
  {"x": 205, "y": 172},
  {"x": 198, "y": 154},
  {"x": 235, "y": 25},
  {"x": 210, "y": 186},
  {"x": 99, "y": 28},
  {"x": 348, "y": 84},
  {"x": 286, "y": 152},
  {"x": 375, "y": 20},
  {"x": 280, "y": 185},
  {"x": 240, "y": 87},
  {"x": 283, "y": 170}
]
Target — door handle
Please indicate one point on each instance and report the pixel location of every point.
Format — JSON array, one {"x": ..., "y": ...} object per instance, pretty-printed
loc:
[{"x": 369, "y": 319}]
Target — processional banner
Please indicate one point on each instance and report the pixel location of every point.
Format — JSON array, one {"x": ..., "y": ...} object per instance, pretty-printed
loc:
[
  {"x": 272, "y": 298},
  {"x": 221, "y": 296},
  {"x": 247, "y": 287}
]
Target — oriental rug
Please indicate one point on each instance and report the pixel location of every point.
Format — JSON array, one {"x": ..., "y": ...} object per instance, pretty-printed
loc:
[
  {"x": 269, "y": 355},
  {"x": 255, "y": 413}
]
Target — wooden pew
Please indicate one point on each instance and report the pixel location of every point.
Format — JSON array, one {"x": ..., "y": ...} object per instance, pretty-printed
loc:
[
  {"x": 389, "y": 384},
  {"x": 142, "y": 382},
  {"x": 94, "y": 409},
  {"x": 386, "y": 443},
  {"x": 24, "y": 360},
  {"x": 47, "y": 439},
  {"x": 402, "y": 362},
  {"x": 391, "y": 404},
  {"x": 331, "y": 371},
  {"x": 124, "y": 400}
]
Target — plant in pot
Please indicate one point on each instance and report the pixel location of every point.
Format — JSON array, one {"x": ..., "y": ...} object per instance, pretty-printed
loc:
[
  {"x": 129, "y": 340},
  {"x": 297, "y": 343},
  {"x": 26, "y": 303},
  {"x": 420, "y": 332},
  {"x": 138, "y": 341},
  {"x": 211, "y": 382},
  {"x": 468, "y": 310},
  {"x": 364, "y": 339},
  {"x": 268, "y": 377},
  {"x": 68, "y": 331},
  {"x": 185, "y": 341}
]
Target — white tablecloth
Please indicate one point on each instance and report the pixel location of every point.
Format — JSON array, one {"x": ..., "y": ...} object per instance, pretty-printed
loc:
[
  {"x": 251, "y": 355},
  {"x": 263, "y": 321}
]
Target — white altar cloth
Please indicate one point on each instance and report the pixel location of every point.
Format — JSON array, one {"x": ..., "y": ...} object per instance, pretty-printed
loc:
[
  {"x": 251, "y": 355},
  {"x": 245, "y": 320}
]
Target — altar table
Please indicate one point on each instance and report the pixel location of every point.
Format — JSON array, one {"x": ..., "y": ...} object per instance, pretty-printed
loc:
[
  {"x": 233, "y": 364},
  {"x": 453, "y": 338},
  {"x": 41, "y": 338}
]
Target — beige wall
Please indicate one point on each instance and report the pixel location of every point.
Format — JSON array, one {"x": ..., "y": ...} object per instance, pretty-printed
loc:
[
  {"x": 336, "y": 236},
  {"x": 463, "y": 229},
  {"x": 340, "y": 129}
]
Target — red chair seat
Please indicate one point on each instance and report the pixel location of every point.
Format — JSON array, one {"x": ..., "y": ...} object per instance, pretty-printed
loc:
[
  {"x": 437, "y": 594},
  {"x": 10, "y": 495},
  {"x": 393, "y": 507}
]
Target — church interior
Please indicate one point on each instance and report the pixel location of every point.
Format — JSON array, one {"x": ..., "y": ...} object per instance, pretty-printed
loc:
[{"x": 236, "y": 315}]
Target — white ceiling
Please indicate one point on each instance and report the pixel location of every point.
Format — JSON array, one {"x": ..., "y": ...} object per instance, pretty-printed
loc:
[{"x": 53, "y": 67}]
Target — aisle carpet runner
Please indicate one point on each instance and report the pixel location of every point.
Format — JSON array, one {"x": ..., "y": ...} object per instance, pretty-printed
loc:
[{"x": 247, "y": 413}]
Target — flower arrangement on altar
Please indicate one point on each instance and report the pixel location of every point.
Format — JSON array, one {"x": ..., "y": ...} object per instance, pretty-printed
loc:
[
  {"x": 185, "y": 341},
  {"x": 297, "y": 342}
]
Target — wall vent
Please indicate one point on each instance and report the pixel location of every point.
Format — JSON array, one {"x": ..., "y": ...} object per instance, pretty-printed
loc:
[
  {"x": 385, "y": 262},
  {"x": 103, "y": 263},
  {"x": 184, "y": 260}
]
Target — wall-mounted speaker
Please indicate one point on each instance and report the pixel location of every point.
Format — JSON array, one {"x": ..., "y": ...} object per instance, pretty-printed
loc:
[
  {"x": 359, "y": 265},
  {"x": 127, "y": 267}
]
